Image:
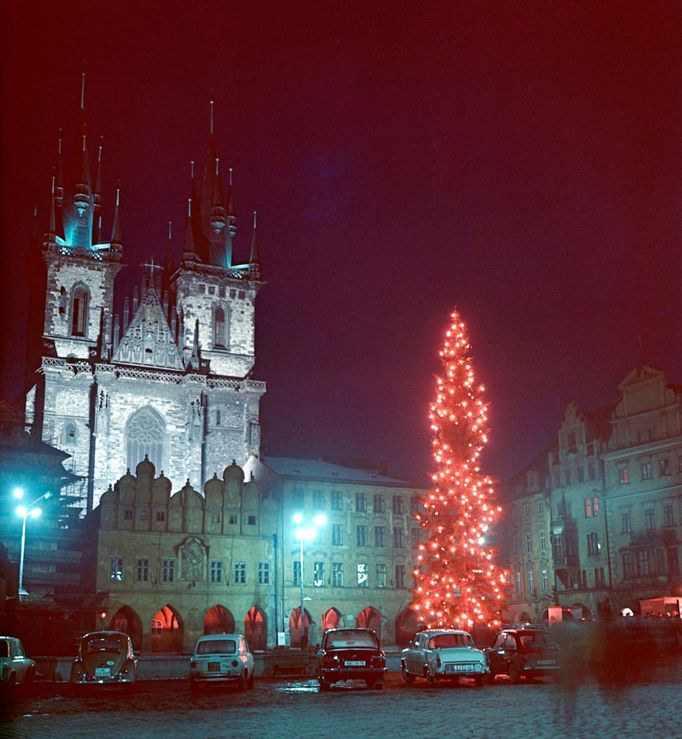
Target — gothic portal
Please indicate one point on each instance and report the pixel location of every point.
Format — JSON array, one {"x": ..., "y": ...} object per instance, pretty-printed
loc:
[{"x": 165, "y": 375}]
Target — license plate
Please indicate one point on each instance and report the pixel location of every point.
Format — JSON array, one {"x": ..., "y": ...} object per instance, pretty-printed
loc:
[
  {"x": 355, "y": 663},
  {"x": 214, "y": 666},
  {"x": 102, "y": 672},
  {"x": 462, "y": 668}
]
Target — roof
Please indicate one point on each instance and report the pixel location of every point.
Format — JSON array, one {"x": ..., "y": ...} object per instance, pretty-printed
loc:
[{"x": 317, "y": 469}]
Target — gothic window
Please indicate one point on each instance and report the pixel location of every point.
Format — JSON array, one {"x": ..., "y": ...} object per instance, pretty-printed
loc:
[
  {"x": 79, "y": 310},
  {"x": 145, "y": 435},
  {"x": 220, "y": 328}
]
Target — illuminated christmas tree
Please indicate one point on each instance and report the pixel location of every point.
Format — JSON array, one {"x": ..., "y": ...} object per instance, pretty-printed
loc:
[{"x": 457, "y": 584}]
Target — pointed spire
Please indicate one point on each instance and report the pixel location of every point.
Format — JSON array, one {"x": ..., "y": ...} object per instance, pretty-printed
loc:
[
  {"x": 59, "y": 183},
  {"x": 97, "y": 198},
  {"x": 52, "y": 228},
  {"x": 116, "y": 227},
  {"x": 188, "y": 252},
  {"x": 82, "y": 92},
  {"x": 211, "y": 129},
  {"x": 254, "y": 259},
  {"x": 168, "y": 263}
]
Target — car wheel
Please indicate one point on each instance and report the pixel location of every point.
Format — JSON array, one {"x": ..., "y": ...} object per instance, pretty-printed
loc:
[
  {"x": 409, "y": 679},
  {"x": 430, "y": 677},
  {"x": 11, "y": 681},
  {"x": 324, "y": 685},
  {"x": 515, "y": 674}
]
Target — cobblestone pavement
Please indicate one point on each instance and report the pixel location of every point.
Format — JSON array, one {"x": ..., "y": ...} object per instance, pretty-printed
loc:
[{"x": 279, "y": 708}]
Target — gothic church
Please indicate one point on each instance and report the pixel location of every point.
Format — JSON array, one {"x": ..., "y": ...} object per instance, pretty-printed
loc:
[{"x": 171, "y": 377}]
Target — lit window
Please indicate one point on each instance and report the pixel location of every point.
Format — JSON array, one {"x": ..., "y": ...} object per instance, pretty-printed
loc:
[
  {"x": 544, "y": 579},
  {"x": 646, "y": 471},
  {"x": 664, "y": 467},
  {"x": 362, "y": 575},
  {"x": 116, "y": 569},
  {"x": 297, "y": 571},
  {"x": 318, "y": 574},
  {"x": 588, "y": 507},
  {"x": 595, "y": 506},
  {"x": 529, "y": 576},
  {"x": 593, "y": 543},
  {"x": 623, "y": 476}
]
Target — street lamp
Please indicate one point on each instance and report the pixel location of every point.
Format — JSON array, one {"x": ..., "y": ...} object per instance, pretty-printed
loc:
[
  {"x": 306, "y": 531},
  {"x": 25, "y": 511}
]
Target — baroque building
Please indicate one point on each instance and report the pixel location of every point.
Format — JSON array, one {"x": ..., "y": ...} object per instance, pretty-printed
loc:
[
  {"x": 166, "y": 375},
  {"x": 610, "y": 491},
  {"x": 168, "y": 567}
]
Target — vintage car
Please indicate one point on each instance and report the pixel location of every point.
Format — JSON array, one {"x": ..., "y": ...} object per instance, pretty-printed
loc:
[
  {"x": 221, "y": 658},
  {"x": 350, "y": 654},
  {"x": 443, "y": 654},
  {"x": 105, "y": 658},
  {"x": 524, "y": 652},
  {"x": 15, "y": 667}
]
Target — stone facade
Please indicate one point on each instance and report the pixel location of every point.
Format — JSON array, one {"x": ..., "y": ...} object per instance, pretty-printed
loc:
[
  {"x": 612, "y": 491},
  {"x": 170, "y": 378},
  {"x": 172, "y": 566}
]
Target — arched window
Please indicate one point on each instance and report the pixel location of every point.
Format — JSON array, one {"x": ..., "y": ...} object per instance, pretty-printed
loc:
[
  {"x": 80, "y": 299},
  {"x": 220, "y": 328},
  {"x": 145, "y": 434}
]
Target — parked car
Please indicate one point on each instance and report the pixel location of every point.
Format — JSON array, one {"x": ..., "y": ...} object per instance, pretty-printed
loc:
[
  {"x": 524, "y": 652},
  {"x": 222, "y": 658},
  {"x": 15, "y": 667},
  {"x": 105, "y": 658},
  {"x": 443, "y": 654},
  {"x": 350, "y": 654}
]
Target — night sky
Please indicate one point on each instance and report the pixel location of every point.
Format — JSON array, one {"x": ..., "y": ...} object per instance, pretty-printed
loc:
[{"x": 520, "y": 161}]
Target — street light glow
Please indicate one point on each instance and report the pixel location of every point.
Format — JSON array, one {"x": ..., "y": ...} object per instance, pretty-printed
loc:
[
  {"x": 18, "y": 493},
  {"x": 297, "y": 518},
  {"x": 22, "y": 511},
  {"x": 320, "y": 520}
]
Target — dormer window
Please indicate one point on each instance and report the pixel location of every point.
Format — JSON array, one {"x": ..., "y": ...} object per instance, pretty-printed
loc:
[{"x": 79, "y": 311}]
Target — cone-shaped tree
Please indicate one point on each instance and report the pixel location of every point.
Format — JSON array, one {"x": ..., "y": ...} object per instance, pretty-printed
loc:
[{"x": 457, "y": 583}]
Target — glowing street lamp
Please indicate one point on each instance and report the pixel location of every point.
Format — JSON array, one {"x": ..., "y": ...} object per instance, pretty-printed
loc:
[
  {"x": 25, "y": 511},
  {"x": 306, "y": 530}
]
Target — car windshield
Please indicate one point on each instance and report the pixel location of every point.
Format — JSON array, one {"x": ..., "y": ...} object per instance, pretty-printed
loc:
[
  {"x": 4, "y": 649},
  {"x": 104, "y": 644},
  {"x": 217, "y": 646},
  {"x": 340, "y": 639},
  {"x": 536, "y": 640},
  {"x": 447, "y": 641}
]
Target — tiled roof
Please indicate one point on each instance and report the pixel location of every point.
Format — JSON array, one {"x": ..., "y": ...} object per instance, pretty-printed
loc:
[{"x": 318, "y": 469}]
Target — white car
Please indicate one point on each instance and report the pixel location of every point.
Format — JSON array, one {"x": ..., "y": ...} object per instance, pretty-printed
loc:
[
  {"x": 15, "y": 667},
  {"x": 444, "y": 654},
  {"x": 221, "y": 658}
]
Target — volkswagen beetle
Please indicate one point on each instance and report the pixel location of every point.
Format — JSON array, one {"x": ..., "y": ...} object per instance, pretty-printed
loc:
[{"x": 105, "y": 658}]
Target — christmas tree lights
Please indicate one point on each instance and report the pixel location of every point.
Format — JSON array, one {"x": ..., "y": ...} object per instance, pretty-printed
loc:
[{"x": 457, "y": 583}]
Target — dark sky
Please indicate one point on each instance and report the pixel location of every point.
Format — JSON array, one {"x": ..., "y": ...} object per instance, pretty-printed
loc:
[{"x": 520, "y": 161}]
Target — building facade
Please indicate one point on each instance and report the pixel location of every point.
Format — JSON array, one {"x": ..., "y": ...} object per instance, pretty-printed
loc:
[
  {"x": 612, "y": 503},
  {"x": 172, "y": 566},
  {"x": 166, "y": 374}
]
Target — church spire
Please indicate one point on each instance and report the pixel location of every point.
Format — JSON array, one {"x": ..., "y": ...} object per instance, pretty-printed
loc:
[
  {"x": 254, "y": 259},
  {"x": 188, "y": 253},
  {"x": 97, "y": 198},
  {"x": 116, "y": 243},
  {"x": 168, "y": 263}
]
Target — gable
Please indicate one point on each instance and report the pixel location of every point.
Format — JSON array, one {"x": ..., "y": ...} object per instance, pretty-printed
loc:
[{"x": 148, "y": 339}]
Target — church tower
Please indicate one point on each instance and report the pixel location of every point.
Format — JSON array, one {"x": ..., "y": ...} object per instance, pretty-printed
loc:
[{"x": 170, "y": 379}]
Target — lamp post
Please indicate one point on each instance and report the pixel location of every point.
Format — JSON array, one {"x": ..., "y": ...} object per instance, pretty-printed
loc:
[
  {"x": 25, "y": 511},
  {"x": 306, "y": 531}
]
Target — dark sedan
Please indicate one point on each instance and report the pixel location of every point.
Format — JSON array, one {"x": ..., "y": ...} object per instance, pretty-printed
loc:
[
  {"x": 351, "y": 654},
  {"x": 524, "y": 653}
]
